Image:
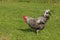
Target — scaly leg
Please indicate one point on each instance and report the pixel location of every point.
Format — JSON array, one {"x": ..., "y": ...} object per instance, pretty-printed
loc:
[{"x": 37, "y": 31}]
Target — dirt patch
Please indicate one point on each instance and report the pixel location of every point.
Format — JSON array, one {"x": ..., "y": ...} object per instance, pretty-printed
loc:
[
  {"x": 5, "y": 37},
  {"x": 56, "y": 3}
]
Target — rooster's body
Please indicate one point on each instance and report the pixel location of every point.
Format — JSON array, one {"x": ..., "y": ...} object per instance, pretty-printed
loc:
[{"x": 38, "y": 23}]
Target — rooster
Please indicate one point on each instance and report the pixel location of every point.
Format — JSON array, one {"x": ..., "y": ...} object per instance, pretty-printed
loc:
[{"x": 38, "y": 23}]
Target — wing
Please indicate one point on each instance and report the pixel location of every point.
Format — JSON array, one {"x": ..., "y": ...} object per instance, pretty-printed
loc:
[
  {"x": 32, "y": 23},
  {"x": 41, "y": 20}
]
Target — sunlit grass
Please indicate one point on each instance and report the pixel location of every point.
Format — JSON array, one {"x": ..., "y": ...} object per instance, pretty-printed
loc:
[{"x": 13, "y": 26}]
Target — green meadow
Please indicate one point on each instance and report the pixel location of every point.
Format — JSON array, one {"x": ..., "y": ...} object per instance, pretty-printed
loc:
[{"x": 13, "y": 27}]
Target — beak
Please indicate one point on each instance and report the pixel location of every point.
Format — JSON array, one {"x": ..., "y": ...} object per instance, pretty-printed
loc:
[{"x": 49, "y": 13}]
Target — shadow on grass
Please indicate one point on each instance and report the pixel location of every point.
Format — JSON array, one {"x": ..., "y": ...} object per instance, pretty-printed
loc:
[{"x": 27, "y": 30}]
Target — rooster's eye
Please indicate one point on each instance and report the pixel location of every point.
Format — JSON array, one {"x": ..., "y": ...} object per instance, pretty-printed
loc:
[{"x": 47, "y": 13}]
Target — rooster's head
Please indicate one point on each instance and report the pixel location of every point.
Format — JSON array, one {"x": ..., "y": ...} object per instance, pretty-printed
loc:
[{"x": 47, "y": 13}]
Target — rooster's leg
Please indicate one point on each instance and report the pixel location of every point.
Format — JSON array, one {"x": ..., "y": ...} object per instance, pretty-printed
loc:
[{"x": 37, "y": 31}]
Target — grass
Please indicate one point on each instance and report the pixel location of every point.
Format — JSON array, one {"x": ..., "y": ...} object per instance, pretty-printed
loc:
[{"x": 13, "y": 27}]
